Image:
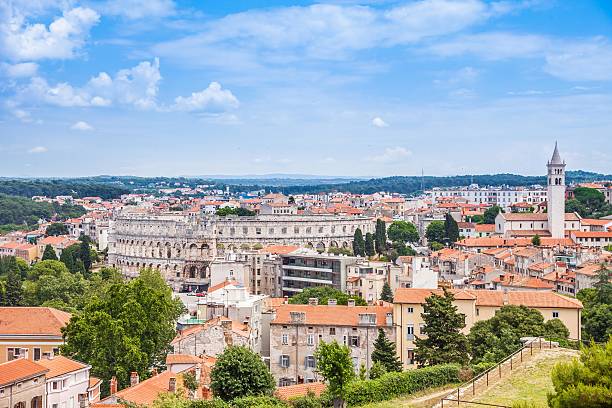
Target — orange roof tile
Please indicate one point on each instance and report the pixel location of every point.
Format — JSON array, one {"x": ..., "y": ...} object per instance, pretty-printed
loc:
[
  {"x": 280, "y": 249},
  {"x": 19, "y": 369},
  {"x": 147, "y": 391},
  {"x": 331, "y": 315},
  {"x": 32, "y": 321},
  {"x": 60, "y": 365},
  {"x": 221, "y": 285},
  {"x": 300, "y": 390}
]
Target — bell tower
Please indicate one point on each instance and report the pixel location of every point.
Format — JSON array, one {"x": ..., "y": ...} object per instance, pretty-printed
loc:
[{"x": 556, "y": 195}]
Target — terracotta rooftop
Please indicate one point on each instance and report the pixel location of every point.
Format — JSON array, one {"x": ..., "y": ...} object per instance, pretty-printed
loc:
[
  {"x": 35, "y": 321},
  {"x": 60, "y": 365},
  {"x": 221, "y": 285},
  {"x": 19, "y": 369},
  {"x": 147, "y": 391},
  {"x": 280, "y": 249},
  {"x": 332, "y": 315},
  {"x": 300, "y": 390}
]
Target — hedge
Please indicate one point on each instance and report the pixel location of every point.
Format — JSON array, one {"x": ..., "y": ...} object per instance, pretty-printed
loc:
[{"x": 393, "y": 385}]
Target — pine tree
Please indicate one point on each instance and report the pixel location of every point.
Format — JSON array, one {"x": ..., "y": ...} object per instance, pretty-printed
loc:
[
  {"x": 384, "y": 353},
  {"x": 85, "y": 254},
  {"x": 358, "y": 243},
  {"x": 369, "y": 244},
  {"x": 451, "y": 229},
  {"x": 13, "y": 294},
  {"x": 380, "y": 236},
  {"x": 386, "y": 294},
  {"x": 444, "y": 342},
  {"x": 49, "y": 254}
]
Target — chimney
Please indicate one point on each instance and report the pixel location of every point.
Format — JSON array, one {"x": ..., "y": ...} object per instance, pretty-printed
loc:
[
  {"x": 351, "y": 302},
  {"x": 226, "y": 325},
  {"x": 297, "y": 317},
  {"x": 154, "y": 372},
  {"x": 172, "y": 384},
  {"x": 505, "y": 297},
  {"x": 313, "y": 301},
  {"x": 113, "y": 385},
  {"x": 134, "y": 379},
  {"x": 285, "y": 300},
  {"x": 332, "y": 302},
  {"x": 198, "y": 373}
]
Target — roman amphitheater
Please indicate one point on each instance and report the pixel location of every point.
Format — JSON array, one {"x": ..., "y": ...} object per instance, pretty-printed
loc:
[{"x": 183, "y": 246}]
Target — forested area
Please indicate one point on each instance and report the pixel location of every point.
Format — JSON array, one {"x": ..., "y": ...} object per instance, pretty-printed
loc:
[
  {"x": 19, "y": 211},
  {"x": 54, "y": 187}
]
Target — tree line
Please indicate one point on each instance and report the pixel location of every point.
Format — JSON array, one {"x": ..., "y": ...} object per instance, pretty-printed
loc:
[
  {"x": 61, "y": 187},
  {"x": 23, "y": 211}
]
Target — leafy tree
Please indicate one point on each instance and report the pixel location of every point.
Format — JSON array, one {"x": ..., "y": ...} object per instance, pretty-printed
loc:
[
  {"x": 51, "y": 281},
  {"x": 335, "y": 365},
  {"x": 85, "y": 255},
  {"x": 241, "y": 212},
  {"x": 377, "y": 370},
  {"x": 490, "y": 214},
  {"x": 56, "y": 228},
  {"x": 444, "y": 343},
  {"x": 49, "y": 254},
  {"x": 586, "y": 382},
  {"x": 358, "y": 243},
  {"x": 124, "y": 327},
  {"x": 589, "y": 202},
  {"x": 555, "y": 329},
  {"x": 435, "y": 246},
  {"x": 451, "y": 229},
  {"x": 435, "y": 232},
  {"x": 369, "y": 245},
  {"x": 536, "y": 241},
  {"x": 402, "y": 231},
  {"x": 13, "y": 292},
  {"x": 384, "y": 353},
  {"x": 476, "y": 219},
  {"x": 386, "y": 294},
  {"x": 380, "y": 237},
  {"x": 402, "y": 250},
  {"x": 324, "y": 293},
  {"x": 597, "y": 312},
  {"x": 69, "y": 256},
  {"x": 572, "y": 205},
  {"x": 238, "y": 372}
]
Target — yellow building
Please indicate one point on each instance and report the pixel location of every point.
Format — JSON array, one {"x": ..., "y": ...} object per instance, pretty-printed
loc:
[
  {"x": 476, "y": 305},
  {"x": 30, "y": 332}
]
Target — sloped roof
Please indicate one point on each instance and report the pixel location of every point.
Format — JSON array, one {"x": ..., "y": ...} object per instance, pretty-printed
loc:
[
  {"x": 332, "y": 315},
  {"x": 60, "y": 365},
  {"x": 300, "y": 390},
  {"x": 35, "y": 321},
  {"x": 19, "y": 369}
]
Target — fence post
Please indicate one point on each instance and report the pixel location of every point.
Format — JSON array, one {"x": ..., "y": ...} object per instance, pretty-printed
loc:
[
  {"x": 457, "y": 396},
  {"x": 473, "y": 388},
  {"x": 487, "y": 378},
  {"x": 499, "y": 370},
  {"x": 531, "y": 348},
  {"x": 521, "y": 355},
  {"x": 510, "y": 363}
]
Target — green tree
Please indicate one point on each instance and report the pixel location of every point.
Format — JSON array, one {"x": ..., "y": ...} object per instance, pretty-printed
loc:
[
  {"x": 435, "y": 246},
  {"x": 554, "y": 329},
  {"x": 597, "y": 312},
  {"x": 335, "y": 365},
  {"x": 384, "y": 353},
  {"x": 238, "y": 372},
  {"x": 13, "y": 292},
  {"x": 126, "y": 326},
  {"x": 435, "y": 232},
  {"x": 584, "y": 383},
  {"x": 536, "y": 241},
  {"x": 358, "y": 243},
  {"x": 451, "y": 229},
  {"x": 323, "y": 294},
  {"x": 380, "y": 237},
  {"x": 49, "y": 254},
  {"x": 369, "y": 245},
  {"x": 490, "y": 214},
  {"x": 51, "y": 281},
  {"x": 56, "y": 228},
  {"x": 85, "y": 255},
  {"x": 402, "y": 231},
  {"x": 590, "y": 202},
  {"x": 386, "y": 294},
  {"x": 69, "y": 256},
  {"x": 377, "y": 370},
  {"x": 444, "y": 342}
]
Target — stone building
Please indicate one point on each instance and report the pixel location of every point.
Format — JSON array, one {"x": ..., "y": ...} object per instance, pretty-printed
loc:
[
  {"x": 22, "y": 384},
  {"x": 212, "y": 337},
  {"x": 297, "y": 330}
]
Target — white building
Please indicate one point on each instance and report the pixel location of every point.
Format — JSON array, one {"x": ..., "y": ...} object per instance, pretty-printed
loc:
[
  {"x": 556, "y": 195},
  {"x": 68, "y": 382}
]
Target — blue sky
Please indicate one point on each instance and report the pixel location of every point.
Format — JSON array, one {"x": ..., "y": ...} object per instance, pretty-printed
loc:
[{"x": 373, "y": 88}]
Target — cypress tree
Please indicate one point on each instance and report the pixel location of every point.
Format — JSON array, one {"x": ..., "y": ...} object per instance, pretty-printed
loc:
[
  {"x": 384, "y": 353},
  {"x": 451, "y": 229},
  {"x": 49, "y": 254},
  {"x": 85, "y": 255},
  {"x": 13, "y": 294},
  {"x": 369, "y": 244},
  {"x": 358, "y": 243},
  {"x": 380, "y": 236},
  {"x": 386, "y": 294}
]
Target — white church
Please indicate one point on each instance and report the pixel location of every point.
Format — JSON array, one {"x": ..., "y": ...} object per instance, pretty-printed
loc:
[{"x": 555, "y": 223}]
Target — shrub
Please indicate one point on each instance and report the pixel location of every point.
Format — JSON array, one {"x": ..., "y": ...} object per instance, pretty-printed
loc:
[
  {"x": 258, "y": 402},
  {"x": 482, "y": 367},
  {"x": 310, "y": 400},
  {"x": 392, "y": 385},
  {"x": 215, "y": 403}
]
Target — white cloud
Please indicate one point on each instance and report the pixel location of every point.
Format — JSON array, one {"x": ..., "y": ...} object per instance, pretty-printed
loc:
[
  {"x": 493, "y": 46},
  {"x": 136, "y": 9},
  {"x": 379, "y": 123},
  {"x": 586, "y": 61},
  {"x": 391, "y": 155},
  {"x": 25, "y": 69},
  {"x": 20, "y": 40},
  {"x": 83, "y": 126},
  {"x": 22, "y": 115},
  {"x": 211, "y": 99},
  {"x": 38, "y": 149}
]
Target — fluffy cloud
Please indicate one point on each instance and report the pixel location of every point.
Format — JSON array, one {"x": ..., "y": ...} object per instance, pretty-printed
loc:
[
  {"x": 20, "y": 40},
  {"x": 391, "y": 155},
  {"x": 38, "y": 149},
  {"x": 379, "y": 123},
  {"x": 137, "y": 86},
  {"x": 82, "y": 126},
  {"x": 136, "y": 9},
  {"x": 586, "y": 61},
  {"x": 25, "y": 69},
  {"x": 211, "y": 99}
]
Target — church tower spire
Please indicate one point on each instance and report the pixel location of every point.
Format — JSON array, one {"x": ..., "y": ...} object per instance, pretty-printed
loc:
[{"x": 556, "y": 195}]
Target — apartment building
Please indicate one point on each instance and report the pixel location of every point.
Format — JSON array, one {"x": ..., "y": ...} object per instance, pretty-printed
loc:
[
  {"x": 297, "y": 330},
  {"x": 476, "y": 305},
  {"x": 32, "y": 333},
  {"x": 22, "y": 384},
  {"x": 68, "y": 383}
]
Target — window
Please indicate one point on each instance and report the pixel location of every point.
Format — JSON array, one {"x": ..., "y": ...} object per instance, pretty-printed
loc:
[
  {"x": 310, "y": 340},
  {"x": 410, "y": 357},
  {"x": 284, "y": 230},
  {"x": 309, "y": 362},
  {"x": 410, "y": 332},
  {"x": 36, "y": 353},
  {"x": 555, "y": 315},
  {"x": 354, "y": 341},
  {"x": 477, "y": 312},
  {"x": 410, "y": 310},
  {"x": 283, "y": 382},
  {"x": 13, "y": 353},
  {"x": 284, "y": 361},
  {"x": 332, "y": 331},
  {"x": 55, "y": 385},
  {"x": 285, "y": 339}
]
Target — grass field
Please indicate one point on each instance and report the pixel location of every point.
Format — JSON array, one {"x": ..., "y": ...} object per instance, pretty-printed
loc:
[
  {"x": 423, "y": 399},
  {"x": 529, "y": 383}
]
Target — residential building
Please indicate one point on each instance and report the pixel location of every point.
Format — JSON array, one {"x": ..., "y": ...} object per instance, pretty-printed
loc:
[
  {"x": 212, "y": 337},
  {"x": 68, "y": 383},
  {"x": 30, "y": 332},
  {"x": 477, "y": 305},
  {"x": 22, "y": 384}
]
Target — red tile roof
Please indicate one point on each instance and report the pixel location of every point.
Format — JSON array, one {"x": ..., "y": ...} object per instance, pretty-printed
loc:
[
  {"x": 60, "y": 365},
  {"x": 34, "y": 321},
  {"x": 300, "y": 390},
  {"x": 19, "y": 369},
  {"x": 331, "y": 315}
]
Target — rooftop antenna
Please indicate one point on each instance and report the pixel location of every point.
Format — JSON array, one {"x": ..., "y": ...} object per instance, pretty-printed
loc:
[{"x": 422, "y": 180}]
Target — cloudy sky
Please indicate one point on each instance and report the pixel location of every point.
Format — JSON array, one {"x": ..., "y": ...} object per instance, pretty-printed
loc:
[{"x": 171, "y": 87}]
